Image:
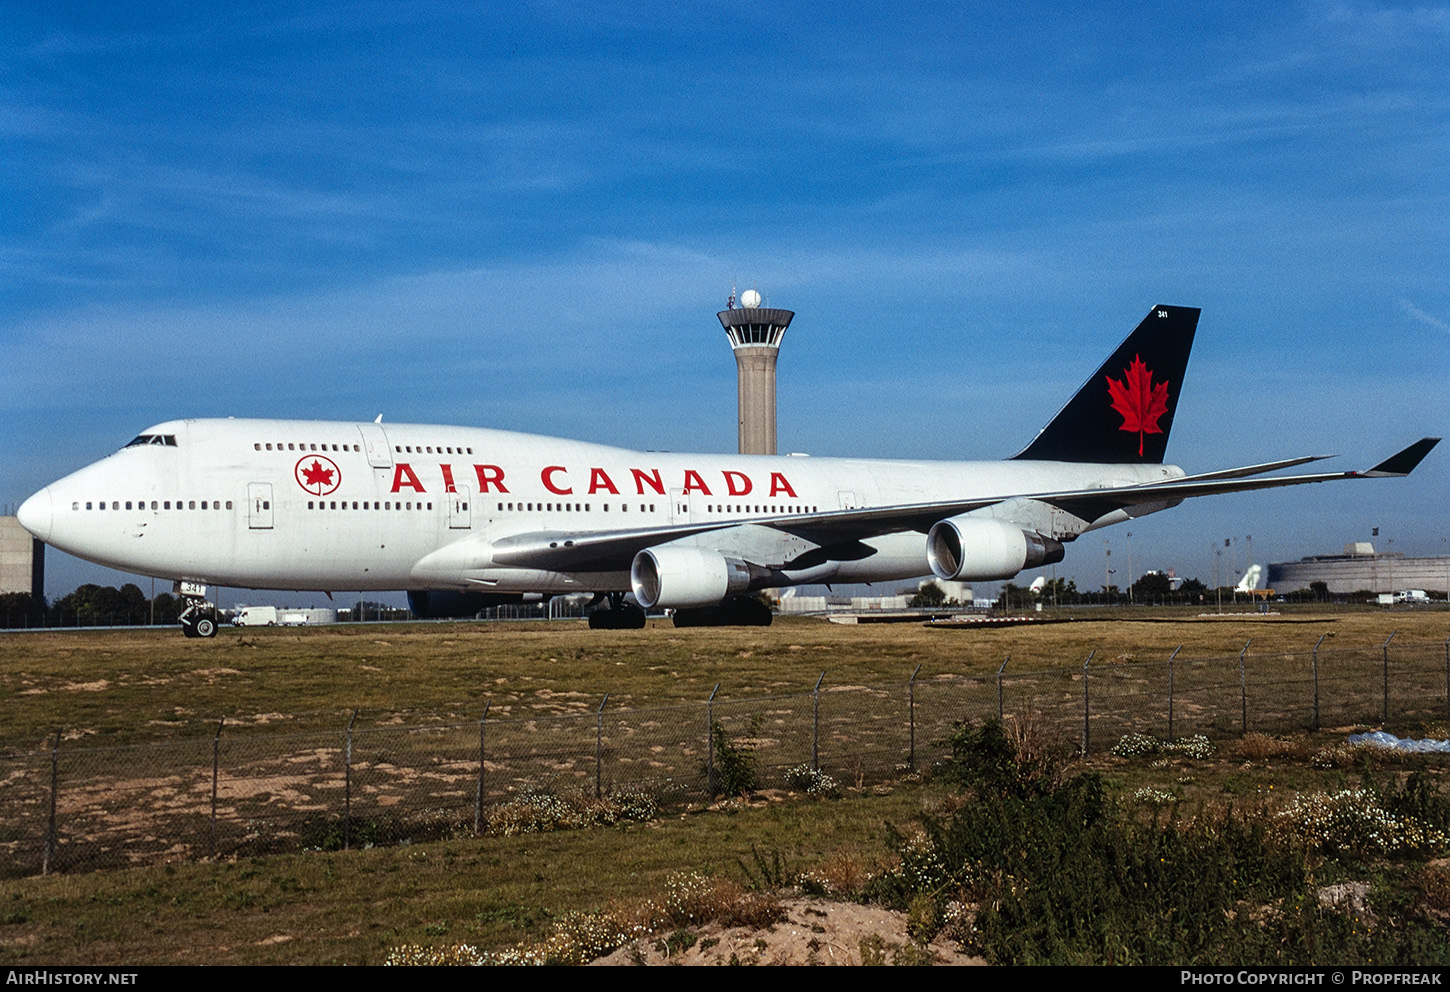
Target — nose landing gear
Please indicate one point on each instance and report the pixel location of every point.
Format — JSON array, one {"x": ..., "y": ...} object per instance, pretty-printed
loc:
[{"x": 198, "y": 618}]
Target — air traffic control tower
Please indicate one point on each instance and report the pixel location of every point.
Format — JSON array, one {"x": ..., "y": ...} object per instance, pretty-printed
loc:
[{"x": 755, "y": 332}]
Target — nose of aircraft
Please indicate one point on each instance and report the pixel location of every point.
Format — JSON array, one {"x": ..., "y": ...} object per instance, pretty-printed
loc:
[{"x": 35, "y": 514}]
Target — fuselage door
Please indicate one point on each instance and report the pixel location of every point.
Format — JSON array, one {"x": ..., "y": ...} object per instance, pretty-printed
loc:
[
  {"x": 259, "y": 505},
  {"x": 848, "y": 500},
  {"x": 375, "y": 443},
  {"x": 679, "y": 507},
  {"x": 460, "y": 511}
]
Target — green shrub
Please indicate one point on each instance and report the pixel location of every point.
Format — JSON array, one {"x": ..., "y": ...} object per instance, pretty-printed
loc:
[
  {"x": 985, "y": 759},
  {"x": 734, "y": 769},
  {"x": 1065, "y": 877}
]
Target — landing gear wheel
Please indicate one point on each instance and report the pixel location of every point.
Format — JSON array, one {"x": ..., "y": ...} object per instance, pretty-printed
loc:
[
  {"x": 619, "y": 616},
  {"x": 198, "y": 619},
  {"x": 737, "y": 611}
]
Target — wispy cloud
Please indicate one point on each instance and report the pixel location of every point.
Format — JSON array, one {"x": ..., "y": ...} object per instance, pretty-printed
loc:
[
  {"x": 1424, "y": 317},
  {"x": 1392, "y": 22}
]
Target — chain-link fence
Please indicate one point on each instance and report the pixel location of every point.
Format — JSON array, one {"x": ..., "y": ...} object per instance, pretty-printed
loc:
[{"x": 81, "y": 808}]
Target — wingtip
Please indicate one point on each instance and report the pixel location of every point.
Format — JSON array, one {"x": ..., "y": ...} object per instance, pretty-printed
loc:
[{"x": 1404, "y": 462}]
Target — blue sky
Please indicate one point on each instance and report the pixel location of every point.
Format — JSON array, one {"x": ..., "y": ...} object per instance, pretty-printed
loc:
[{"x": 525, "y": 216}]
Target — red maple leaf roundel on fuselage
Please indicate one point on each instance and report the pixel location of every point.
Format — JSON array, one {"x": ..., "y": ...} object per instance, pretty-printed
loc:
[
  {"x": 317, "y": 474},
  {"x": 1139, "y": 400}
]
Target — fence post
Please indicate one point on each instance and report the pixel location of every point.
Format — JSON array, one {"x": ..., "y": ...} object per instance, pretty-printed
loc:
[
  {"x": 1314, "y": 664},
  {"x": 478, "y": 803},
  {"x": 1244, "y": 690},
  {"x": 911, "y": 718},
  {"x": 599, "y": 747},
  {"x": 49, "y": 855},
  {"x": 816, "y": 724},
  {"x": 216, "y": 747},
  {"x": 347, "y": 789},
  {"x": 1385, "y": 651},
  {"x": 1000, "y": 669},
  {"x": 710, "y": 743},
  {"x": 1170, "y": 690},
  {"x": 1086, "y": 710}
]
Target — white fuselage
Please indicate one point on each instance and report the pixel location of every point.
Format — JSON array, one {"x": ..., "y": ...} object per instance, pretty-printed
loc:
[{"x": 275, "y": 504}]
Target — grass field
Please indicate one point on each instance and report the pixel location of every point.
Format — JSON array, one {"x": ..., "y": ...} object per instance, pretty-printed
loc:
[
  {"x": 351, "y": 907},
  {"x": 138, "y": 685}
]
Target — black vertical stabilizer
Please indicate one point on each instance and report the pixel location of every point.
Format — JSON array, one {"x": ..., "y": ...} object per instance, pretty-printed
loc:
[{"x": 1124, "y": 412}]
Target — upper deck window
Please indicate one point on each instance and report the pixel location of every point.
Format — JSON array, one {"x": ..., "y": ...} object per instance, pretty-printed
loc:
[{"x": 168, "y": 440}]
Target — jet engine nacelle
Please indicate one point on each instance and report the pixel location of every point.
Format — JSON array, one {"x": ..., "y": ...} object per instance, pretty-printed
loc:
[
  {"x": 683, "y": 577},
  {"x": 963, "y": 549}
]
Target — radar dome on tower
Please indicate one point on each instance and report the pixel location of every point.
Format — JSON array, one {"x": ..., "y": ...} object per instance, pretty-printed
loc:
[{"x": 750, "y": 298}]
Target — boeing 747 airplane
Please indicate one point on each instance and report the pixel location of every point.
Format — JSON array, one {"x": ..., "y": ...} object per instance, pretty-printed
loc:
[{"x": 464, "y": 517}]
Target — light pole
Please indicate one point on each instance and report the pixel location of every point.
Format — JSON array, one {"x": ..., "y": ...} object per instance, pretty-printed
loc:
[
  {"x": 1107, "y": 569},
  {"x": 1130, "y": 568},
  {"x": 1218, "y": 571},
  {"x": 1249, "y": 541}
]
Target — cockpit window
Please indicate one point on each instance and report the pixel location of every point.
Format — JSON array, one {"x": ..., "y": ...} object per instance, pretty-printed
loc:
[{"x": 169, "y": 440}]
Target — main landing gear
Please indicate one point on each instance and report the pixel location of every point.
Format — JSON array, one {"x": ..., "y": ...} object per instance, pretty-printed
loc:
[
  {"x": 198, "y": 617},
  {"x": 619, "y": 615},
  {"x": 737, "y": 611}
]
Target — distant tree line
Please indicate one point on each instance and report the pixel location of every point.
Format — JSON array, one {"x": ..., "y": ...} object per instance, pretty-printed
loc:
[
  {"x": 106, "y": 606},
  {"x": 1157, "y": 590},
  {"x": 1153, "y": 590},
  {"x": 89, "y": 606}
]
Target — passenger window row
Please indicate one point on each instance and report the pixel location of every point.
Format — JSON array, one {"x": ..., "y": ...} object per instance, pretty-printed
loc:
[
  {"x": 566, "y": 507},
  {"x": 418, "y": 449},
  {"x": 342, "y": 504},
  {"x": 267, "y": 446},
  {"x": 165, "y": 504}
]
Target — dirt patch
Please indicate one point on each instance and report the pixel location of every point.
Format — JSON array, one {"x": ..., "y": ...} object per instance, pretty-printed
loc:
[
  {"x": 814, "y": 931},
  {"x": 100, "y": 685}
]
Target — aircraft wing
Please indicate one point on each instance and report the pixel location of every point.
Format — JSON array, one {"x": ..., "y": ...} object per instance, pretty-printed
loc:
[
  {"x": 1092, "y": 504},
  {"x": 613, "y": 550}
]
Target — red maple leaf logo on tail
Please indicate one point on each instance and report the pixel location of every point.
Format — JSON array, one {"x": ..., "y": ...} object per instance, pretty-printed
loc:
[{"x": 1139, "y": 400}]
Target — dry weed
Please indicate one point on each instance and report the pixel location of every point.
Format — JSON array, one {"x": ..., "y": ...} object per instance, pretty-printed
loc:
[
  {"x": 1433, "y": 883},
  {"x": 841, "y": 875},
  {"x": 1263, "y": 747},
  {"x": 1039, "y": 746},
  {"x": 1350, "y": 754}
]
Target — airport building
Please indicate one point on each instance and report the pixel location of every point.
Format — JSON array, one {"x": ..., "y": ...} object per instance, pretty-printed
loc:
[
  {"x": 755, "y": 333},
  {"x": 1361, "y": 567},
  {"x": 22, "y": 560}
]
